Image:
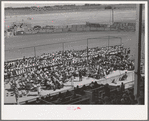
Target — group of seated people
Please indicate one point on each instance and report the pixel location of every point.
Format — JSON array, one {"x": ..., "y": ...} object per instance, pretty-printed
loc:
[
  {"x": 67, "y": 97},
  {"x": 51, "y": 71},
  {"x": 68, "y": 57},
  {"x": 111, "y": 95},
  {"x": 122, "y": 96}
]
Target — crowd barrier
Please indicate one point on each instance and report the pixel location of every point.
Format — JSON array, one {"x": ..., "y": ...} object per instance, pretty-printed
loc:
[{"x": 42, "y": 100}]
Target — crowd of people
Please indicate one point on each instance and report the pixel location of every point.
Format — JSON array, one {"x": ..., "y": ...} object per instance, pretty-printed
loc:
[
  {"x": 122, "y": 96},
  {"x": 111, "y": 96},
  {"x": 119, "y": 96},
  {"x": 52, "y": 70}
]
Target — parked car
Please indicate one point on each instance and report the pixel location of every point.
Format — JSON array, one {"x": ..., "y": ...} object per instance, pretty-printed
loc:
[
  {"x": 48, "y": 27},
  {"x": 36, "y": 27}
]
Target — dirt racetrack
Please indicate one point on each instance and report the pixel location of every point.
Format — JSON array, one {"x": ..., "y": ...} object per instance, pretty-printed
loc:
[{"x": 20, "y": 46}]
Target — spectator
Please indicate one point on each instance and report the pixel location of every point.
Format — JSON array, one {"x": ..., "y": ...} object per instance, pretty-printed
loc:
[
  {"x": 141, "y": 100},
  {"x": 39, "y": 89},
  {"x": 80, "y": 75},
  {"x": 107, "y": 90},
  {"x": 16, "y": 93},
  {"x": 122, "y": 87}
]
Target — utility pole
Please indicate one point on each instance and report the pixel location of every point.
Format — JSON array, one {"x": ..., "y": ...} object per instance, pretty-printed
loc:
[
  {"x": 35, "y": 52},
  {"x": 138, "y": 51},
  {"x": 87, "y": 52},
  {"x": 112, "y": 15},
  {"x": 63, "y": 45}
]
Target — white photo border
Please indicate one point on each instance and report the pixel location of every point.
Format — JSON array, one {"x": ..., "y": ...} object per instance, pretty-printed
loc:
[{"x": 60, "y": 112}]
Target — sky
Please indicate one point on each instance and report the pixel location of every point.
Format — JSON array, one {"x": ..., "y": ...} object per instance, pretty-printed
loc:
[{"x": 37, "y": 4}]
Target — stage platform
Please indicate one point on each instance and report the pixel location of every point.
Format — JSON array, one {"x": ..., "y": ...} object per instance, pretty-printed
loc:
[
  {"x": 108, "y": 79},
  {"x": 85, "y": 81}
]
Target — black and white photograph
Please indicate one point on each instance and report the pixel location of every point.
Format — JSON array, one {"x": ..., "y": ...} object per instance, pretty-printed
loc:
[{"x": 74, "y": 55}]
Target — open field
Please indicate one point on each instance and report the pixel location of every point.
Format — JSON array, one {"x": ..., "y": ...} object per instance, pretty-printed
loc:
[
  {"x": 13, "y": 45},
  {"x": 73, "y": 18}
]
